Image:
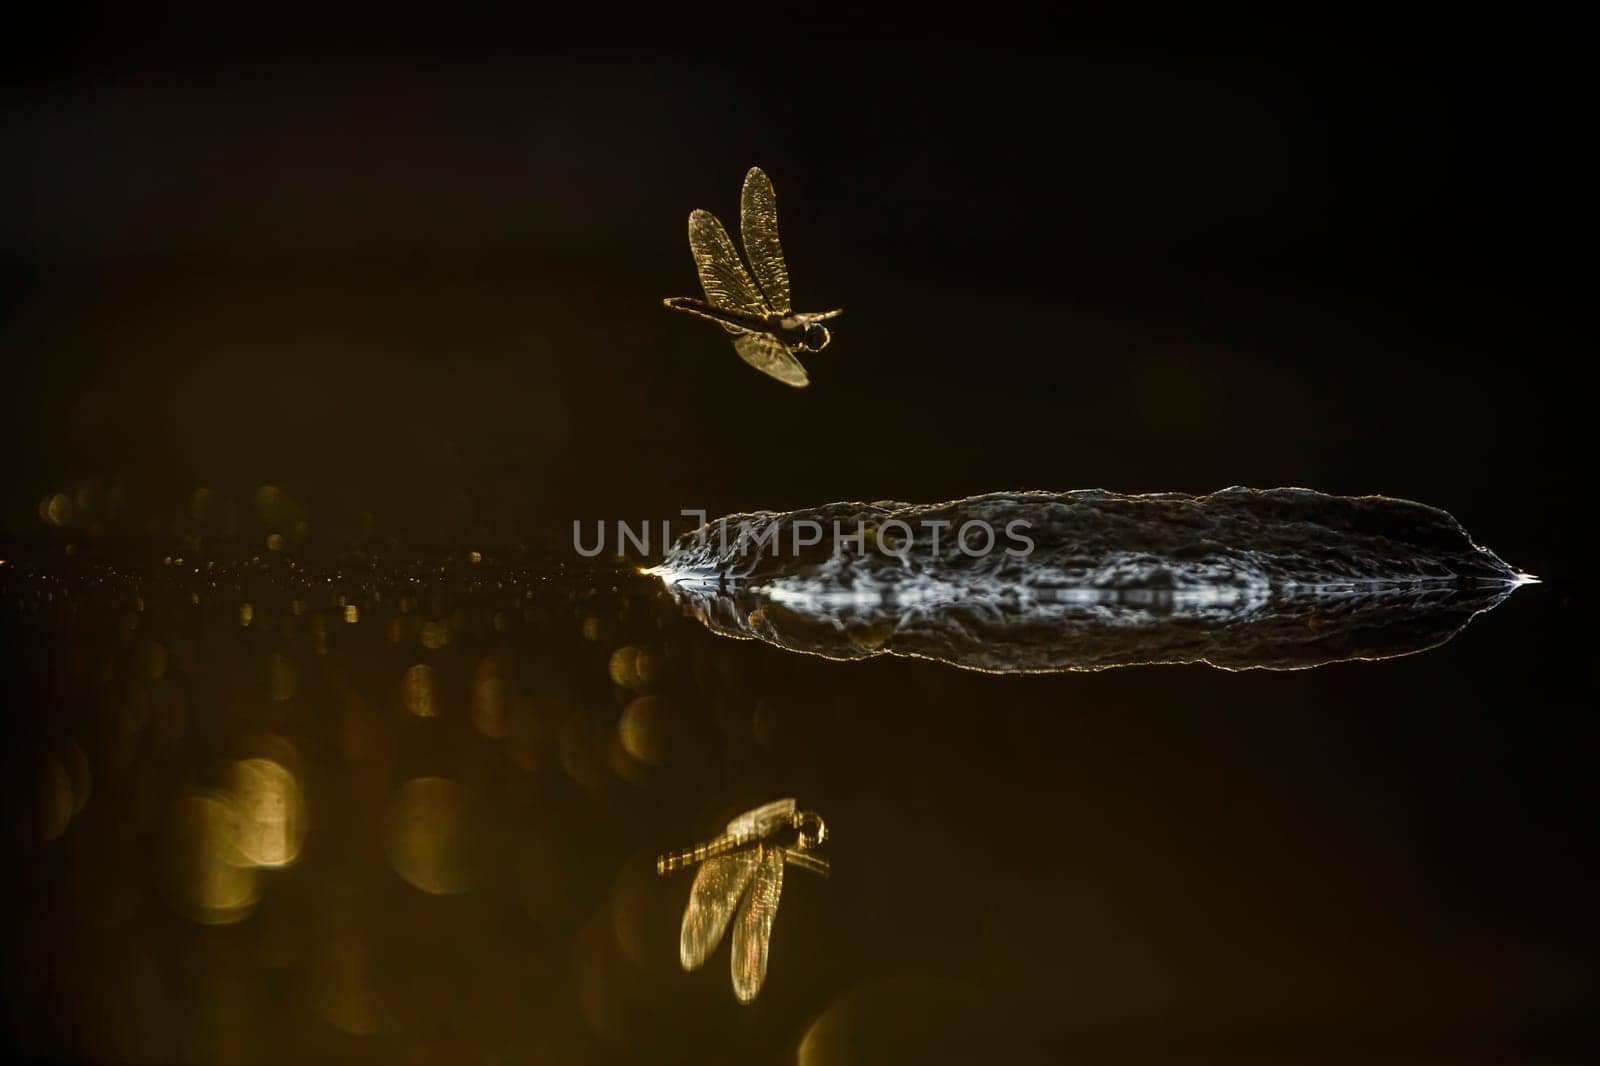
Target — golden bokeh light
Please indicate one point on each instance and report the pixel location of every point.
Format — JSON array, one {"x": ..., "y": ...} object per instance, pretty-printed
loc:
[
  {"x": 57, "y": 509},
  {"x": 55, "y": 799},
  {"x": 489, "y": 699},
  {"x": 270, "y": 503},
  {"x": 426, "y": 836},
  {"x": 342, "y": 989},
  {"x": 418, "y": 691},
  {"x": 211, "y": 881},
  {"x": 648, "y": 668},
  {"x": 435, "y": 636},
  {"x": 620, "y": 668},
  {"x": 633, "y": 915},
  {"x": 582, "y": 753},
  {"x": 153, "y": 656},
  {"x": 646, "y": 730},
  {"x": 283, "y": 678},
  {"x": 201, "y": 502},
  {"x": 78, "y": 772},
  {"x": 270, "y": 810}
]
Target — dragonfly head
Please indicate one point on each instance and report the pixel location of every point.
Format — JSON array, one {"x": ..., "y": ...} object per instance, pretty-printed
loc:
[
  {"x": 813, "y": 830},
  {"x": 815, "y": 338}
]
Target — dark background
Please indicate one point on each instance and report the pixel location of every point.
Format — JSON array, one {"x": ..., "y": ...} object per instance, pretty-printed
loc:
[
  {"x": 411, "y": 266},
  {"x": 407, "y": 268}
]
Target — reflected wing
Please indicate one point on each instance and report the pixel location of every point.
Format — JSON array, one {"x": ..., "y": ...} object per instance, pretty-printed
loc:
[
  {"x": 758, "y": 226},
  {"x": 771, "y": 356},
  {"x": 717, "y": 888},
  {"x": 753, "y": 929},
  {"x": 753, "y": 825},
  {"x": 726, "y": 281}
]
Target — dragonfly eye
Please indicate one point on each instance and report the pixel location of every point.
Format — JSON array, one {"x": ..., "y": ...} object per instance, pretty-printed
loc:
[
  {"x": 813, "y": 830},
  {"x": 816, "y": 337}
]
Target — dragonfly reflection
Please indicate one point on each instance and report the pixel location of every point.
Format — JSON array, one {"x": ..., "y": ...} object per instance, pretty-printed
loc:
[
  {"x": 742, "y": 869},
  {"x": 767, "y": 332}
]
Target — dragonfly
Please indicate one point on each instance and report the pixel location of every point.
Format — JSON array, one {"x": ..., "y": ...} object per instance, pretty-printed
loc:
[
  {"x": 767, "y": 332},
  {"x": 741, "y": 871}
]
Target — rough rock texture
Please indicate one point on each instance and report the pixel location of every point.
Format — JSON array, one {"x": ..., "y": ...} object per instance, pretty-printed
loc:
[{"x": 1279, "y": 578}]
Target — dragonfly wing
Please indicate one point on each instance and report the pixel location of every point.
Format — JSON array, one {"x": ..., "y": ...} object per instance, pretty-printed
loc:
[
  {"x": 753, "y": 825},
  {"x": 772, "y": 357},
  {"x": 722, "y": 275},
  {"x": 753, "y": 930},
  {"x": 758, "y": 226},
  {"x": 717, "y": 888}
]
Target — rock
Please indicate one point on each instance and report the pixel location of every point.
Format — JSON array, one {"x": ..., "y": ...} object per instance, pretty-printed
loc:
[{"x": 1040, "y": 581}]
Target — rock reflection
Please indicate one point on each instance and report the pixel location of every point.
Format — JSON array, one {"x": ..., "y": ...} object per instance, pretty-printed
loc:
[{"x": 1279, "y": 579}]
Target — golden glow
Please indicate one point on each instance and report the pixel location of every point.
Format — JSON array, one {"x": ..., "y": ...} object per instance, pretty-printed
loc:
[
  {"x": 77, "y": 768},
  {"x": 155, "y": 660},
  {"x": 636, "y": 668},
  {"x": 488, "y": 699},
  {"x": 645, "y": 730},
  {"x": 271, "y": 813},
  {"x": 283, "y": 678},
  {"x": 425, "y": 836},
  {"x": 55, "y": 799},
  {"x": 435, "y": 636},
  {"x": 200, "y": 503},
  {"x": 211, "y": 881},
  {"x": 632, "y": 910},
  {"x": 57, "y": 509},
  {"x": 620, "y": 667},
  {"x": 319, "y": 634},
  {"x": 269, "y": 503},
  {"x": 870, "y": 637},
  {"x": 873, "y": 1022},
  {"x": 418, "y": 691},
  {"x": 342, "y": 989}
]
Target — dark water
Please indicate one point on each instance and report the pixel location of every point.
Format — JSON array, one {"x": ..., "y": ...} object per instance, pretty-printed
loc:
[
  {"x": 290, "y": 286},
  {"x": 408, "y": 811}
]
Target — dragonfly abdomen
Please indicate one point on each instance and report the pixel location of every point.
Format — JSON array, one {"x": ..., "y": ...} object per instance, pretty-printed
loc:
[
  {"x": 677, "y": 860},
  {"x": 734, "y": 319}
]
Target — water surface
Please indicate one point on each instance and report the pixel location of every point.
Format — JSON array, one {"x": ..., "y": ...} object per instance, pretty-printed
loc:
[{"x": 409, "y": 808}]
